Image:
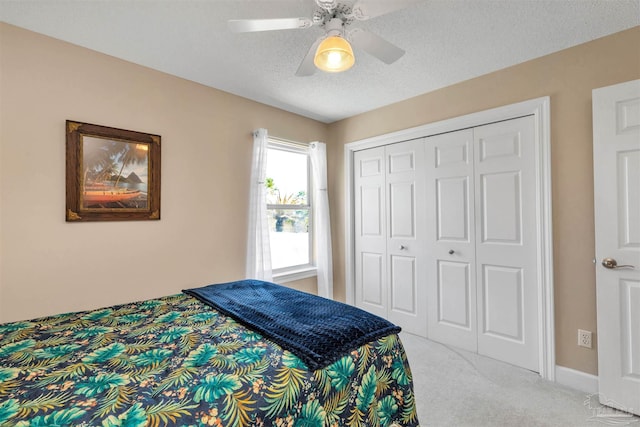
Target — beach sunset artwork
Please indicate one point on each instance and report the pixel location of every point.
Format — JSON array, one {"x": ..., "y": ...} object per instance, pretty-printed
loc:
[
  {"x": 115, "y": 174},
  {"x": 112, "y": 174}
]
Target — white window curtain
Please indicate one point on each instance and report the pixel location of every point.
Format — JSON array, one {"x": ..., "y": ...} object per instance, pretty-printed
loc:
[
  {"x": 322, "y": 224},
  {"x": 258, "y": 246}
]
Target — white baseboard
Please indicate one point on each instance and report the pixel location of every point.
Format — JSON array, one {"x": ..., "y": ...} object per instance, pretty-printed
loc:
[{"x": 577, "y": 379}]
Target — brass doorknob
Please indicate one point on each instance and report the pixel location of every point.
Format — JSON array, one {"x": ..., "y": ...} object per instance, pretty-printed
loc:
[{"x": 613, "y": 264}]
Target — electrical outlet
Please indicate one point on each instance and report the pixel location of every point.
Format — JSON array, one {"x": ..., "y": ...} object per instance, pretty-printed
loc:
[{"x": 584, "y": 338}]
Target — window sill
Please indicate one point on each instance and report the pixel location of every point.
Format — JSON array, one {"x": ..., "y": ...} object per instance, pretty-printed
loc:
[{"x": 292, "y": 275}]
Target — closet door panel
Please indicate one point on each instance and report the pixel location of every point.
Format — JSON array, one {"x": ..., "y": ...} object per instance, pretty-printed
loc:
[
  {"x": 403, "y": 284},
  {"x": 506, "y": 242},
  {"x": 501, "y": 204},
  {"x": 370, "y": 231},
  {"x": 372, "y": 274},
  {"x": 451, "y": 302},
  {"x": 402, "y": 210},
  {"x": 452, "y": 204},
  {"x": 405, "y": 248},
  {"x": 372, "y": 209},
  {"x": 502, "y": 295},
  {"x": 454, "y": 295}
]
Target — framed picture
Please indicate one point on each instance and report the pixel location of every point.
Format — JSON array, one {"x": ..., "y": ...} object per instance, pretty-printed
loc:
[{"x": 112, "y": 174}]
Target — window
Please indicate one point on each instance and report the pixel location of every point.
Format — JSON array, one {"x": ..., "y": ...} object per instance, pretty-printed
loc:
[{"x": 289, "y": 208}]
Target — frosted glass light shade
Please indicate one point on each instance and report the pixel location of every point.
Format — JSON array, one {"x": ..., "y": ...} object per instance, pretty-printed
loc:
[{"x": 334, "y": 55}]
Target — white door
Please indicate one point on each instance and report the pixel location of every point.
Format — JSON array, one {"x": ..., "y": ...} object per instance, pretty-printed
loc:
[
  {"x": 370, "y": 230},
  {"x": 451, "y": 248},
  {"x": 506, "y": 244},
  {"x": 405, "y": 244},
  {"x": 616, "y": 153},
  {"x": 482, "y": 246},
  {"x": 389, "y": 225}
]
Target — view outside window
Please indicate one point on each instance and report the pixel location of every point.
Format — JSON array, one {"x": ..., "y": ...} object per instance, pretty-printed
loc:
[{"x": 288, "y": 207}]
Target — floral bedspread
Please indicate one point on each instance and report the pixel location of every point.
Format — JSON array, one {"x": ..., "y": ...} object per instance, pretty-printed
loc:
[{"x": 175, "y": 361}]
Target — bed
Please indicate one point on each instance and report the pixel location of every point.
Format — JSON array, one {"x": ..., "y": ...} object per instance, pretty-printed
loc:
[{"x": 179, "y": 361}]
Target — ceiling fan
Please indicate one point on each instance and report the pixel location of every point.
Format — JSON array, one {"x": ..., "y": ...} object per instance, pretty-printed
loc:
[{"x": 332, "y": 51}]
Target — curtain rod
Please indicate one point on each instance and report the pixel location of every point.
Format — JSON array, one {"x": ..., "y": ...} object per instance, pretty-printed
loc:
[{"x": 286, "y": 142}]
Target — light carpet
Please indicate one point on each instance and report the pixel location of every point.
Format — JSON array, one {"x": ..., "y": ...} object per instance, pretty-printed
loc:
[{"x": 462, "y": 389}]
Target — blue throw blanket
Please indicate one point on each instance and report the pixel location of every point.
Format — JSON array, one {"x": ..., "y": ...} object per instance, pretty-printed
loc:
[{"x": 317, "y": 330}]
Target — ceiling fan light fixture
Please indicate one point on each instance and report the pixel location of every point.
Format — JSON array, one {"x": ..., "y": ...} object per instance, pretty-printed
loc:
[{"x": 334, "y": 54}]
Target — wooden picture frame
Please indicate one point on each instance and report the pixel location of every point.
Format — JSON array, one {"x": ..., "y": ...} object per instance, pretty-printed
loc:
[{"x": 112, "y": 174}]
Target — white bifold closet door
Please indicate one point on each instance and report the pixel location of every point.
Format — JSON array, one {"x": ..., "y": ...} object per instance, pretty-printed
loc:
[
  {"x": 481, "y": 241},
  {"x": 389, "y": 210}
]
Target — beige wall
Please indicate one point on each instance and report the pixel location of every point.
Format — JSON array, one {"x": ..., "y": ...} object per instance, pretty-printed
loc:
[
  {"x": 50, "y": 266},
  {"x": 568, "y": 78}
]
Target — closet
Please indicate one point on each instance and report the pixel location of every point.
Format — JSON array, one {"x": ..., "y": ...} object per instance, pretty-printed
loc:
[{"x": 445, "y": 238}]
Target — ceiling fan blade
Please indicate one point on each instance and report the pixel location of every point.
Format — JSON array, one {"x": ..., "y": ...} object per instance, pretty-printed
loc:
[
  {"x": 327, "y": 4},
  {"x": 307, "y": 67},
  {"x": 252, "y": 25},
  {"x": 375, "y": 45},
  {"x": 367, "y": 9}
]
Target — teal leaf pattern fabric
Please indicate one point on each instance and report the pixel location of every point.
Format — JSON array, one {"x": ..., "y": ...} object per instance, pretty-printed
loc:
[{"x": 174, "y": 361}]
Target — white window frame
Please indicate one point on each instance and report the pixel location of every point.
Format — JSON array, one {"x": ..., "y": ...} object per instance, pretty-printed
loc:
[{"x": 296, "y": 272}]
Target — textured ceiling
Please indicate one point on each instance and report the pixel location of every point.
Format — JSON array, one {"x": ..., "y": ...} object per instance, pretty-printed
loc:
[{"x": 446, "y": 41}]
